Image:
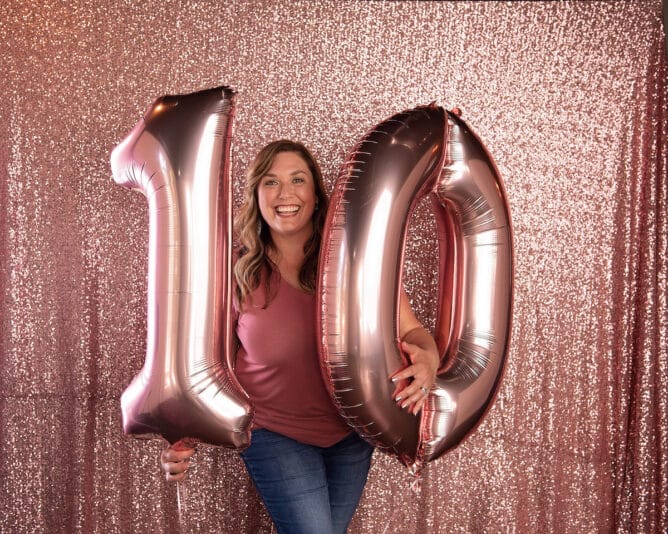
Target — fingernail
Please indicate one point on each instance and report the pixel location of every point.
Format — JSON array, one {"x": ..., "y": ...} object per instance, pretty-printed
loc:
[
  {"x": 398, "y": 399},
  {"x": 404, "y": 404},
  {"x": 395, "y": 379}
]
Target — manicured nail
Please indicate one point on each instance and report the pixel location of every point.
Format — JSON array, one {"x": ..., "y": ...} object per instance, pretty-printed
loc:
[
  {"x": 404, "y": 404},
  {"x": 395, "y": 379},
  {"x": 398, "y": 399}
]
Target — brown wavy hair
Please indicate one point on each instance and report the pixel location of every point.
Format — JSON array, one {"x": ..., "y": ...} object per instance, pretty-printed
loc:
[{"x": 253, "y": 232}]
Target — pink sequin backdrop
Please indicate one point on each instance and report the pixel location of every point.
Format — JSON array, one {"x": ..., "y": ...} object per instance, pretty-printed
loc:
[{"x": 568, "y": 97}]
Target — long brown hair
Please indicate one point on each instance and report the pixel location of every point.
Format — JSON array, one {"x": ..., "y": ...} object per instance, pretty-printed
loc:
[{"x": 253, "y": 232}]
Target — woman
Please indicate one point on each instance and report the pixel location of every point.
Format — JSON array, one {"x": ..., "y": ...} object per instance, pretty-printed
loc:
[{"x": 308, "y": 465}]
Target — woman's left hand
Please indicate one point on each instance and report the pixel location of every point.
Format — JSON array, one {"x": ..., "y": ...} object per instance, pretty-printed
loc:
[
  {"x": 421, "y": 373},
  {"x": 422, "y": 352}
]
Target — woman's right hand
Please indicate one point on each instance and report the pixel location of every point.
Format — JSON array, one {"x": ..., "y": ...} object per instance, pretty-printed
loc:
[{"x": 175, "y": 460}]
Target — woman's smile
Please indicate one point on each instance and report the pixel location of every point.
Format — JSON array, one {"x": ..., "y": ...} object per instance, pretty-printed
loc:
[{"x": 287, "y": 210}]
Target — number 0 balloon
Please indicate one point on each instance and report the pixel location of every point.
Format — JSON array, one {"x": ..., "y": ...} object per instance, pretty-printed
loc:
[
  {"x": 177, "y": 156},
  {"x": 422, "y": 151}
]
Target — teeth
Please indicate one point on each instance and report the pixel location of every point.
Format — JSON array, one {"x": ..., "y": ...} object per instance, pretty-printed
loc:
[{"x": 287, "y": 209}]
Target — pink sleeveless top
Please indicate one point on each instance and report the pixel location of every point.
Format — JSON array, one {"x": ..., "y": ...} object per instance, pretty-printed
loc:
[{"x": 277, "y": 364}]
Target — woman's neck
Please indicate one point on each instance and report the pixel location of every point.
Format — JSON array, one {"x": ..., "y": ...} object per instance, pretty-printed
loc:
[{"x": 288, "y": 255}]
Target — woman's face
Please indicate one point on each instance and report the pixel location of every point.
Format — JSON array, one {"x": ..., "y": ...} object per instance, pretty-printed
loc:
[{"x": 286, "y": 197}]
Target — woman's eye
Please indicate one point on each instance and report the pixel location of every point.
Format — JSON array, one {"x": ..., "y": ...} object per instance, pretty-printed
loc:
[
  {"x": 269, "y": 182},
  {"x": 298, "y": 180}
]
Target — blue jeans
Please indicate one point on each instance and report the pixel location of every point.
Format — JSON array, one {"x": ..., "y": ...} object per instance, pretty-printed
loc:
[{"x": 308, "y": 489}]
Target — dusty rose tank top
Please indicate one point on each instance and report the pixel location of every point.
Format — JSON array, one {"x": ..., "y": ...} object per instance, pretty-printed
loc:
[{"x": 278, "y": 366}]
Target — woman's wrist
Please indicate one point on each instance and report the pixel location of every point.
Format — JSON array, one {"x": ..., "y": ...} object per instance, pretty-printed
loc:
[{"x": 419, "y": 337}]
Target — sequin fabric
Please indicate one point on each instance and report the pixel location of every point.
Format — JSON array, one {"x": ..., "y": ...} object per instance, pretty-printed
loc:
[{"x": 568, "y": 97}]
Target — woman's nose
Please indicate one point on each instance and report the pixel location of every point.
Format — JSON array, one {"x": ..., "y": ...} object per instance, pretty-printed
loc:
[{"x": 284, "y": 190}]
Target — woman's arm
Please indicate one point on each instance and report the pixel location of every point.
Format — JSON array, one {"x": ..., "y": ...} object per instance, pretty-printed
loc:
[{"x": 420, "y": 347}]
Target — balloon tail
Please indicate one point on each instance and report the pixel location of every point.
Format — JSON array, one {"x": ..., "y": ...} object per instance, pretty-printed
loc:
[
  {"x": 181, "y": 494},
  {"x": 416, "y": 485}
]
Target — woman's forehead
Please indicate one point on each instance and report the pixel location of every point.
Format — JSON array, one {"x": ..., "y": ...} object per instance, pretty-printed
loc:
[{"x": 288, "y": 162}]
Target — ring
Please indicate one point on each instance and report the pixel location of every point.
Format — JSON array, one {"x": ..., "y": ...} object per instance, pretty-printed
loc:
[{"x": 424, "y": 390}]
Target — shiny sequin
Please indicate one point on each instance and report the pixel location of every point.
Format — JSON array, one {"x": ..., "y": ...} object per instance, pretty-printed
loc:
[{"x": 568, "y": 97}]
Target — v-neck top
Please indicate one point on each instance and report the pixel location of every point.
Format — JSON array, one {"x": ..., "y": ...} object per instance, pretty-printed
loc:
[{"x": 277, "y": 364}]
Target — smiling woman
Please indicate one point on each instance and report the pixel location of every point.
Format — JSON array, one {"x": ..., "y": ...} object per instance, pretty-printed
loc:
[{"x": 308, "y": 464}]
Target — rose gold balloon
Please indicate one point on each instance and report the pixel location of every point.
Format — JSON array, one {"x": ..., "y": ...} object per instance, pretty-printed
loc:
[
  {"x": 178, "y": 156},
  {"x": 405, "y": 157}
]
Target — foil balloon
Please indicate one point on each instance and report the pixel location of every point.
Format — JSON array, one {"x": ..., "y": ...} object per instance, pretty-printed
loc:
[
  {"x": 178, "y": 156},
  {"x": 418, "y": 152}
]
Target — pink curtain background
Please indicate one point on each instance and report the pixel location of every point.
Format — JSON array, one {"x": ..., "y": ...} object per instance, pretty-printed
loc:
[{"x": 569, "y": 98}]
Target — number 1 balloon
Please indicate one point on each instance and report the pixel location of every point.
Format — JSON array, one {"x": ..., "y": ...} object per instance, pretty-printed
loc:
[
  {"x": 177, "y": 156},
  {"x": 418, "y": 152}
]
